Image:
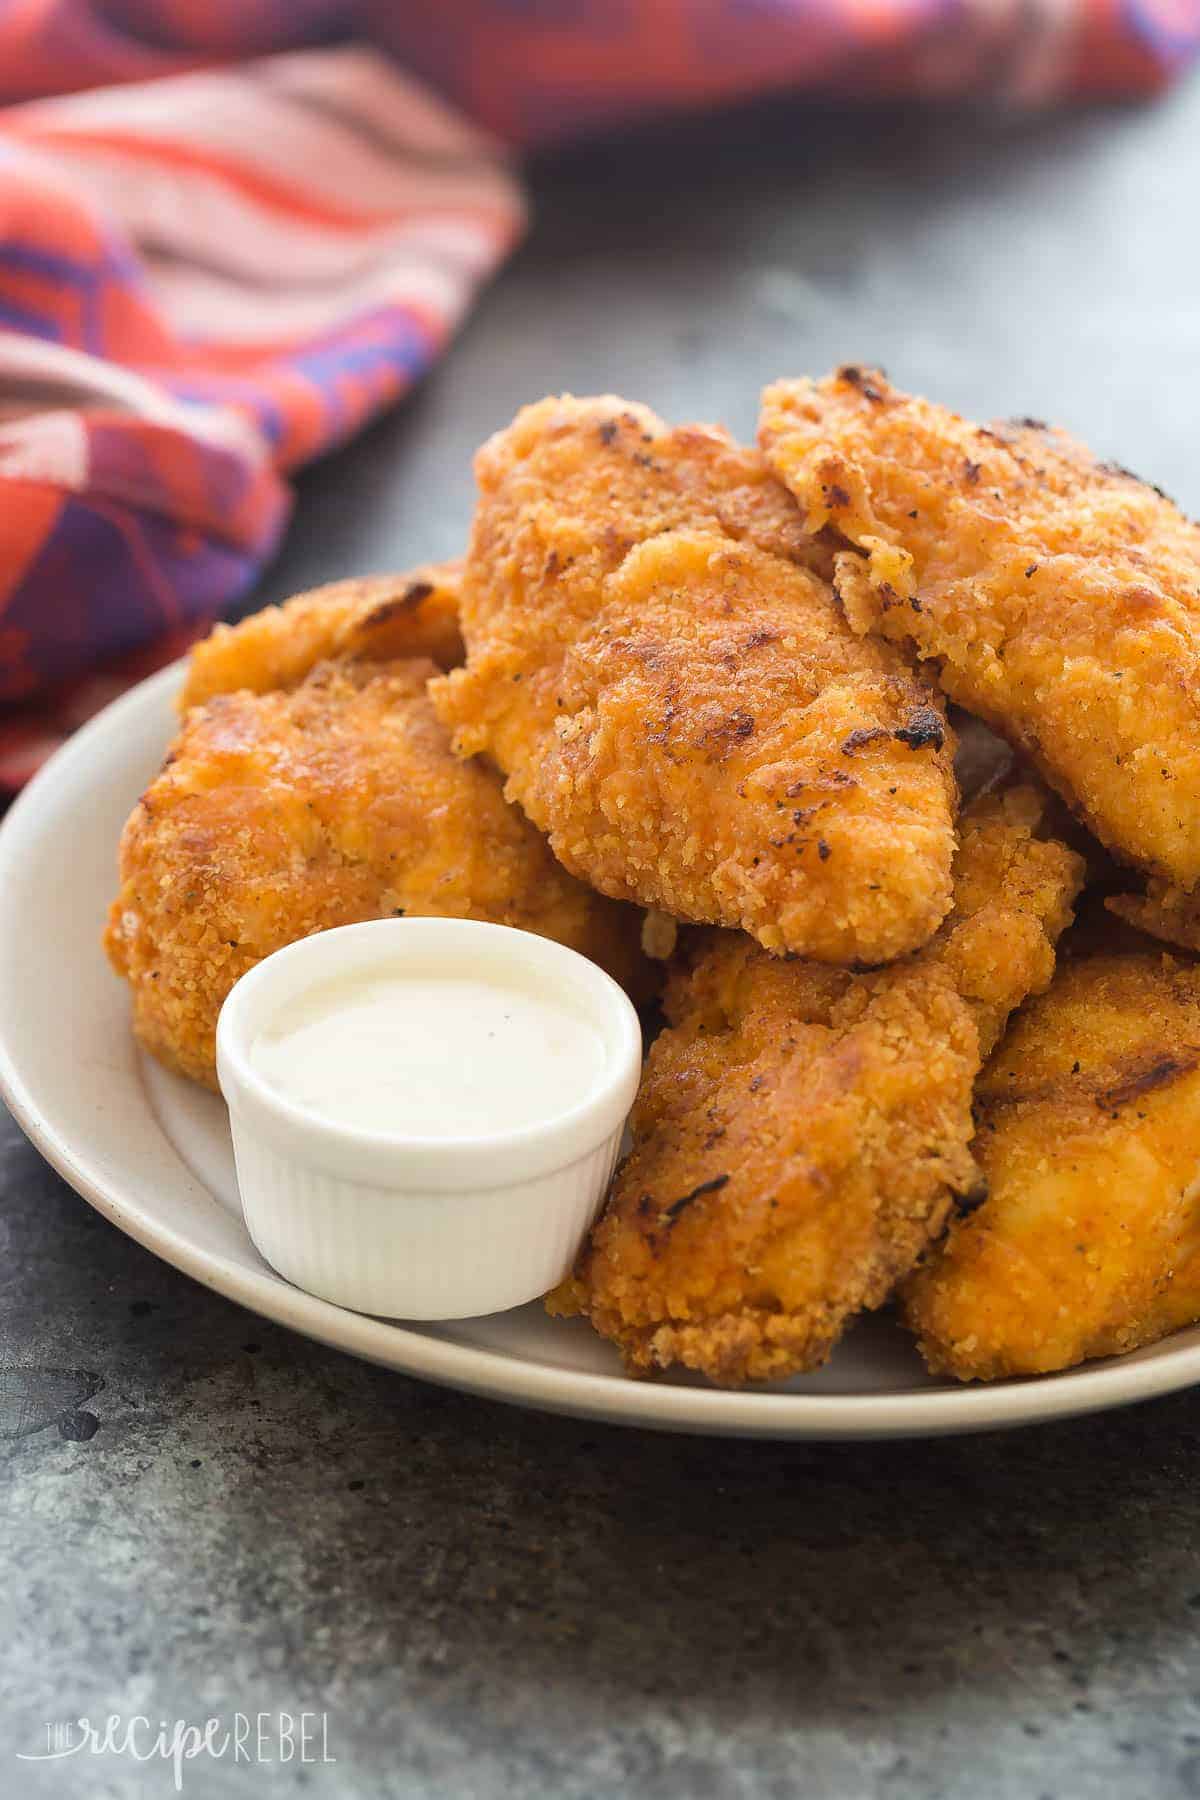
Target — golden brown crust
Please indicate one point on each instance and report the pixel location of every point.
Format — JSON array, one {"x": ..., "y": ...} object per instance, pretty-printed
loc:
[
  {"x": 676, "y": 700},
  {"x": 276, "y": 815},
  {"x": 1164, "y": 911},
  {"x": 381, "y": 618},
  {"x": 1089, "y": 1141},
  {"x": 801, "y": 1130},
  {"x": 1059, "y": 596}
]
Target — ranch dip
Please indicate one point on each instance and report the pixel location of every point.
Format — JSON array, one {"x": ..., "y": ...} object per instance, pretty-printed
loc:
[{"x": 440, "y": 1056}]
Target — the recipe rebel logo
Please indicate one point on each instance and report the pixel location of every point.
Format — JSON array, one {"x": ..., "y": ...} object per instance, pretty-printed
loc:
[{"x": 264, "y": 1737}]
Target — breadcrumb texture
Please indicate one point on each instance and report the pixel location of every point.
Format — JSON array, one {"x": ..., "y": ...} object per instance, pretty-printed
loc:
[
  {"x": 279, "y": 814},
  {"x": 802, "y": 1131},
  {"x": 381, "y": 618},
  {"x": 1058, "y": 595},
  {"x": 1089, "y": 1140},
  {"x": 661, "y": 670},
  {"x": 1164, "y": 911}
]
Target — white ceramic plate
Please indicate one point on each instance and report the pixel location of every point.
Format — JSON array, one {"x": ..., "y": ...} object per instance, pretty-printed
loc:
[{"x": 152, "y": 1154}]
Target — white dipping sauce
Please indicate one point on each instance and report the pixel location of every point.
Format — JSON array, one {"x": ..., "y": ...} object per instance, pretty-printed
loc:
[{"x": 430, "y": 1056}]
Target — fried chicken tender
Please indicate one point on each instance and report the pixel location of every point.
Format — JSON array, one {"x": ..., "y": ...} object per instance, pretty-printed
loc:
[
  {"x": 279, "y": 814},
  {"x": 1088, "y": 1243},
  {"x": 1164, "y": 911},
  {"x": 802, "y": 1131},
  {"x": 381, "y": 618},
  {"x": 658, "y": 666},
  {"x": 1059, "y": 596}
]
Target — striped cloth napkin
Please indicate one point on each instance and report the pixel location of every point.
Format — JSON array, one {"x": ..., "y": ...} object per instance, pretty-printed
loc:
[
  {"x": 204, "y": 281},
  {"x": 218, "y": 268}
]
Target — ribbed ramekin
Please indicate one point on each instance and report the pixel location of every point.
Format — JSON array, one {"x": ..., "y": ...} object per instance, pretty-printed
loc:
[{"x": 423, "y": 1228}]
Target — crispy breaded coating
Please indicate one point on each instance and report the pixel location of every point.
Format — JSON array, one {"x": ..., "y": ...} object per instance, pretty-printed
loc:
[
  {"x": 276, "y": 815},
  {"x": 1088, "y": 1243},
  {"x": 1059, "y": 596},
  {"x": 1163, "y": 911},
  {"x": 381, "y": 618},
  {"x": 676, "y": 700},
  {"x": 802, "y": 1131}
]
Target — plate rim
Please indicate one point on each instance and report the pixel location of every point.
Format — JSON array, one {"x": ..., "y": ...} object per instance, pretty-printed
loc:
[{"x": 616, "y": 1399}]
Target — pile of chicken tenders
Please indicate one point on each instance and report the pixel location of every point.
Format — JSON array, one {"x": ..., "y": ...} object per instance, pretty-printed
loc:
[{"x": 873, "y": 751}]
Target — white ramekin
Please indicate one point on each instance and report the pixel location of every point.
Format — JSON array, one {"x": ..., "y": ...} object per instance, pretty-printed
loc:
[{"x": 429, "y": 1228}]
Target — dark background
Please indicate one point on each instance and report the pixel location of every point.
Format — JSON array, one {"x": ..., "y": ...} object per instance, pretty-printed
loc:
[{"x": 491, "y": 1603}]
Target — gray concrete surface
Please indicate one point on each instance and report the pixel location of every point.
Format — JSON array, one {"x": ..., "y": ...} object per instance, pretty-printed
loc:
[{"x": 487, "y": 1603}]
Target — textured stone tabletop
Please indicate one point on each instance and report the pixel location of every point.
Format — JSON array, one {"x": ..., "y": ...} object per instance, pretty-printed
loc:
[{"x": 488, "y": 1603}]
